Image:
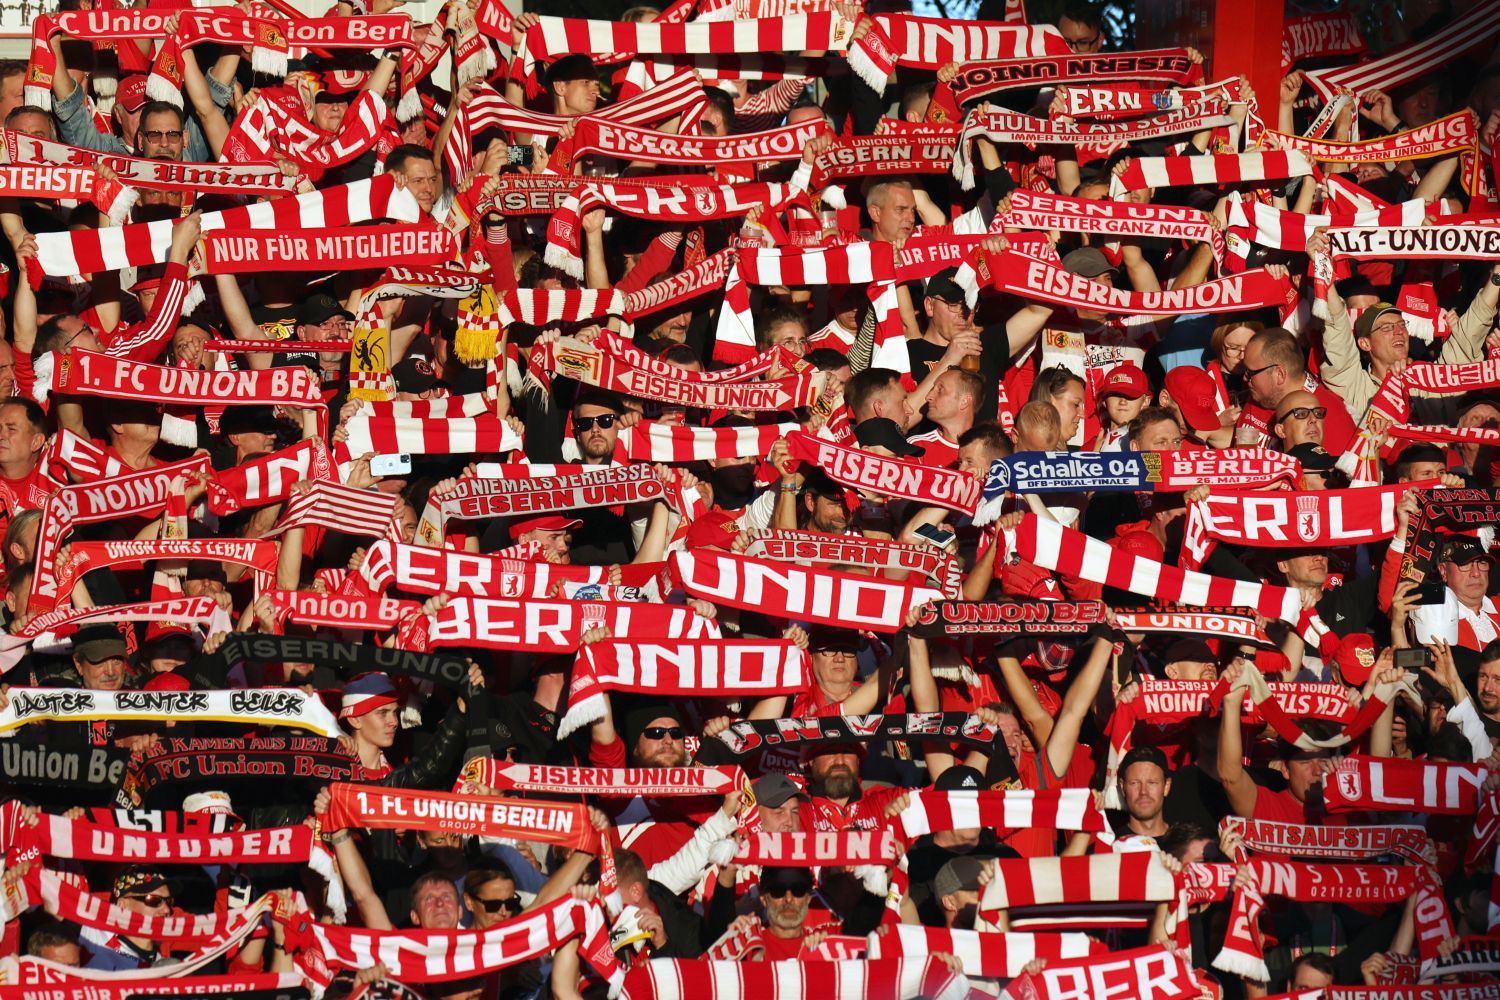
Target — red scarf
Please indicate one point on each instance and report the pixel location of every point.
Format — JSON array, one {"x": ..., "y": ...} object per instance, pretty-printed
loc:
[
  {"x": 603, "y": 781},
  {"x": 727, "y": 667},
  {"x": 651, "y": 441},
  {"x": 631, "y": 142},
  {"x": 591, "y": 486},
  {"x": 1385, "y": 784},
  {"x": 543, "y": 626},
  {"x": 986, "y": 954},
  {"x": 1014, "y": 809},
  {"x": 980, "y": 79},
  {"x": 1299, "y": 840},
  {"x": 863, "y": 470},
  {"x": 377, "y": 807},
  {"x": 1319, "y": 518},
  {"x": 802, "y": 849},
  {"x": 1039, "y": 281},
  {"x": 339, "y": 611},
  {"x": 1201, "y": 171},
  {"x": 85, "y": 373},
  {"x": 269, "y": 478},
  {"x": 824, "y": 597},
  {"x": 248, "y": 251},
  {"x": 928, "y": 150},
  {"x": 1148, "y": 973},
  {"x": 1041, "y": 210}
]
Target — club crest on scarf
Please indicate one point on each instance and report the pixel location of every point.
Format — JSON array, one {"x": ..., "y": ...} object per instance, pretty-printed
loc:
[{"x": 1308, "y": 526}]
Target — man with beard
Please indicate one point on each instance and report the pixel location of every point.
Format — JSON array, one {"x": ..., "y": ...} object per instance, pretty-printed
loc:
[
  {"x": 605, "y": 536},
  {"x": 839, "y": 800},
  {"x": 786, "y": 894},
  {"x": 654, "y": 736}
]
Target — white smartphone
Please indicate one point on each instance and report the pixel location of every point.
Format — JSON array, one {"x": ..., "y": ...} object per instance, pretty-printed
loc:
[
  {"x": 390, "y": 465},
  {"x": 937, "y": 536}
]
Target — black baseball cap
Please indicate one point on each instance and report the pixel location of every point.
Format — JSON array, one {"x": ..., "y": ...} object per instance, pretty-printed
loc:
[
  {"x": 1149, "y": 755},
  {"x": 882, "y": 432},
  {"x": 959, "y": 778},
  {"x": 1087, "y": 262},
  {"x": 414, "y": 374},
  {"x": 320, "y": 308},
  {"x": 1463, "y": 550},
  {"x": 942, "y": 286},
  {"x": 1313, "y": 457}
]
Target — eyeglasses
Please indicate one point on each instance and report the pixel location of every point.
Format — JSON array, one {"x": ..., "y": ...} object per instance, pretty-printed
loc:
[
  {"x": 781, "y": 891},
  {"x": 1256, "y": 371},
  {"x": 158, "y": 135},
  {"x": 1081, "y": 43},
  {"x": 1303, "y": 412},
  {"x": 152, "y": 900},
  {"x": 496, "y": 905},
  {"x": 1399, "y": 324},
  {"x": 662, "y": 732},
  {"x": 604, "y": 422},
  {"x": 82, "y": 329}
]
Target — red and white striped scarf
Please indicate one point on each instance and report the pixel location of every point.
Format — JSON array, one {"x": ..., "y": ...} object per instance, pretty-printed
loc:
[
  {"x": 1408, "y": 62},
  {"x": 456, "y": 425},
  {"x": 680, "y": 95},
  {"x": 90, "y": 250},
  {"x": 279, "y": 126},
  {"x": 815, "y": 849},
  {"x": 651, "y": 441},
  {"x": 1201, "y": 171},
  {"x": 332, "y": 505},
  {"x": 1007, "y": 126},
  {"x": 893, "y": 477},
  {"x": 792, "y": 979},
  {"x": 727, "y": 667},
  {"x": 269, "y": 478},
  {"x": 1135, "y": 876},
  {"x": 983, "y": 954},
  {"x": 1054, "y": 809},
  {"x": 1269, "y": 226},
  {"x": 829, "y": 31},
  {"x": 824, "y": 597},
  {"x": 603, "y": 781},
  {"x": 1052, "y": 546}
]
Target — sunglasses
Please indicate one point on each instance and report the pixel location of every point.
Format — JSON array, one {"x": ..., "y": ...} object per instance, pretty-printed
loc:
[
  {"x": 496, "y": 905},
  {"x": 798, "y": 889},
  {"x": 162, "y": 135},
  {"x": 1256, "y": 371},
  {"x": 604, "y": 422},
  {"x": 836, "y": 650},
  {"x": 662, "y": 732},
  {"x": 153, "y": 900},
  {"x": 1303, "y": 412}
]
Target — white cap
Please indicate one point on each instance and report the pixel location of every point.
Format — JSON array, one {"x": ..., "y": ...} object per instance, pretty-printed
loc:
[{"x": 208, "y": 802}]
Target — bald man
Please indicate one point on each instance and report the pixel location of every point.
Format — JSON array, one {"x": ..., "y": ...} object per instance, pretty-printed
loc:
[{"x": 1299, "y": 419}]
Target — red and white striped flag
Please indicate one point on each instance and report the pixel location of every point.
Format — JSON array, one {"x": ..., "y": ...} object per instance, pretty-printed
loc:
[{"x": 339, "y": 508}]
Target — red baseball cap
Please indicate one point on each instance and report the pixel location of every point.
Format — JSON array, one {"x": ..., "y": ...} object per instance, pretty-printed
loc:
[
  {"x": 1137, "y": 541},
  {"x": 1125, "y": 380},
  {"x": 1193, "y": 391},
  {"x": 547, "y": 522},
  {"x": 1355, "y": 658},
  {"x": 715, "y": 529},
  {"x": 130, "y": 93}
]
